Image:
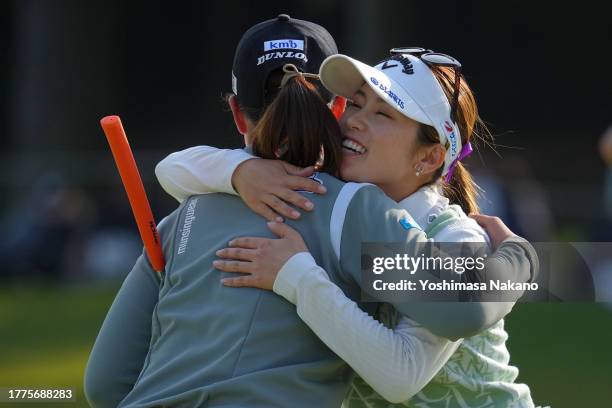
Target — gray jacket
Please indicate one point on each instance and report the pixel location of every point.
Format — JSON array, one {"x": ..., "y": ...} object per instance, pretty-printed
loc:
[{"x": 185, "y": 340}]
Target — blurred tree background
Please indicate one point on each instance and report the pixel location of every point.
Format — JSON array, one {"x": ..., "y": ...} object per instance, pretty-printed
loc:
[{"x": 539, "y": 71}]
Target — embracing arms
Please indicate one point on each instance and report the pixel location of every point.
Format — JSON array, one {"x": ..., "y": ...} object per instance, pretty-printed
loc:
[
  {"x": 198, "y": 170},
  {"x": 397, "y": 363},
  {"x": 206, "y": 169},
  {"x": 515, "y": 259}
]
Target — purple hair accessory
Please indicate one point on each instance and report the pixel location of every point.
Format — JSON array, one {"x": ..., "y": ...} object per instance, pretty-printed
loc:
[{"x": 465, "y": 152}]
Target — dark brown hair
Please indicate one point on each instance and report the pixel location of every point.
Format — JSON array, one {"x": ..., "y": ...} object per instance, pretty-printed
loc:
[
  {"x": 299, "y": 128},
  {"x": 461, "y": 189}
]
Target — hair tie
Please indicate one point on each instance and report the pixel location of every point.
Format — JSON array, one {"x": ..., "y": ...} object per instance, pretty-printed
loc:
[
  {"x": 292, "y": 71},
  {"x": 465, "y": 152}
]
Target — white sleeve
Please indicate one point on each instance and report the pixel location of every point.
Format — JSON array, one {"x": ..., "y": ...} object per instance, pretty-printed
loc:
[
  {"x": 199, "y": 170},
  {"x": 395, "y": 363}
]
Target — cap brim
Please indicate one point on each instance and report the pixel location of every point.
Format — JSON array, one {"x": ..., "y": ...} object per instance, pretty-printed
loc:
[{"x": 343, "y": 75}]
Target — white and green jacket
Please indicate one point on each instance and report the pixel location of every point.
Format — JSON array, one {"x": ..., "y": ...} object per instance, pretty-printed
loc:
[{"x": 477, "y": 373}]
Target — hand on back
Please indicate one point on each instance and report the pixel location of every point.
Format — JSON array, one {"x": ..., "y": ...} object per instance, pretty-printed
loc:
[
  {"x": 259, "y": 258},
  {"x": 494, "y": 227},
  {"x": 269, "y": 188}
]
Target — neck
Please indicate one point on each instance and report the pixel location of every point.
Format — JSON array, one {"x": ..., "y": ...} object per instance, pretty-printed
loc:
[
  {"x": 399, "y": 191},
  {"x": 247, "y": 139}
]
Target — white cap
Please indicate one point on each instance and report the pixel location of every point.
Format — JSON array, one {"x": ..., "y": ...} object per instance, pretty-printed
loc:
[{"x": 404, "y": 82}]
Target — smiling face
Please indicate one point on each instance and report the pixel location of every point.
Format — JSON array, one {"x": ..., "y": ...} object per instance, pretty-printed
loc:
[{"x": 379, "y": 145}]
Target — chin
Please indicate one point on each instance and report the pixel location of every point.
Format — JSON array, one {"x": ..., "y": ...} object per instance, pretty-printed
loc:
[
  {"x": 351, "y": 173},
  {"x": 345, "y": 172}
]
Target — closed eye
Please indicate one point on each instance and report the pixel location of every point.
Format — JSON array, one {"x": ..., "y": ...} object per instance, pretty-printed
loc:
[{"x": 350, "y": 103}]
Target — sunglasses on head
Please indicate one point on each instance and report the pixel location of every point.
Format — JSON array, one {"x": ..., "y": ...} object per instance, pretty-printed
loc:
[{"x": 432, "y": 58}]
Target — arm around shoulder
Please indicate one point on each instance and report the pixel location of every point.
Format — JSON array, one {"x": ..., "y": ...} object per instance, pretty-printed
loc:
[
  {"x": 372, "y": 218},
  {"x": 199, "y": 170},
  {"x": 396, "y": 363},
  {"x": 515, "y": 260}
]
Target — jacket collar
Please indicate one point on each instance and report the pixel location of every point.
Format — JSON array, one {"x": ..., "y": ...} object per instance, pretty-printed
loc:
[{"x": 425, "y": 204}]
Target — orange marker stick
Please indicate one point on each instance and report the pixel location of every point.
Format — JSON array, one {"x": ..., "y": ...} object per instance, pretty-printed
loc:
[
  {"x": 135, "y": 190},
  {"x": 338, "y": 106}
]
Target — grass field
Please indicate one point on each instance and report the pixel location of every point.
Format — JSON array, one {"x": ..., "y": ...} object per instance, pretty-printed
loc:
[
  {"x": 563, "y": 351},
  {"x": 47, "y": 334}
]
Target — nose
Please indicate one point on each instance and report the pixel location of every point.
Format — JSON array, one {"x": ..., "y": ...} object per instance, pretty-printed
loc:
[{"x": 355, "y": 119}]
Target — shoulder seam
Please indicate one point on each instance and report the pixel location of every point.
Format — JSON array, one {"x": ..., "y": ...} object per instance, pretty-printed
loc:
[{"x": 338, "y": 214}]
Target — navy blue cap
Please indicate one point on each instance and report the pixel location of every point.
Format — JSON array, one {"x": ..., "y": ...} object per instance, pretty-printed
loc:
[{"x": 268, "y": 46}]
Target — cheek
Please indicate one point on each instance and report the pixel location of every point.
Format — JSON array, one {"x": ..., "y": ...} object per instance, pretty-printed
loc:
[
  {"x": 356, "y": 169},
  {"x": 374, "y": 167},
  {"x": 405, "y": 146},
  {"x": 342, "y": 121},
  {"x": 393, "y": 152},
  {"x": 387, "y": 147}
]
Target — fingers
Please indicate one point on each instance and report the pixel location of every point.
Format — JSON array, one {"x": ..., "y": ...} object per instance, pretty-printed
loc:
[
  {"x": 296, "y": 199},
  {"x": 298, "y": 171},
  {"x": 248, "y": 242},
  {"x": 281, "y": 195},
  {"x": 238, "y": 254},
  {"x": 233, "y": 266},
  {"x": 485, "y": 219},
  {"x": 241, "y": 282},
  {"x": 268, "y": 213},
  {"x": 278, "y": 201},
  {"x": 477, "y": 217},
  {"x": 306, "y": 171},
  {"x": 280, "y": 207},
  {"x": 305, "y": 184},
  {"x": 282, "y": 230},
  {"x": 494, "y": 227},
  {"x": 285, "y": 231}
]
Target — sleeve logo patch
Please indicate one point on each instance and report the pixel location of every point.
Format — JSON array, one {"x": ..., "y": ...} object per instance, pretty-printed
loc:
[{"x": 405, "y": 223}]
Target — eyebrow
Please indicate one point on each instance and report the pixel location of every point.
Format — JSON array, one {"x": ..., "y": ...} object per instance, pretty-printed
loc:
[{"x": 362, "y": 94}]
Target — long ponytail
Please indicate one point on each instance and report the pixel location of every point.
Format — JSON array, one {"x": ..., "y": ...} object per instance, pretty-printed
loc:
[
  {"x": 299, "y": 128},
  {"x": 462, "y": 190}
]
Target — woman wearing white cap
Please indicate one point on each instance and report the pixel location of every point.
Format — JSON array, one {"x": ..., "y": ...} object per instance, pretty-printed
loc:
[{"x": 408, "y": 124}]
